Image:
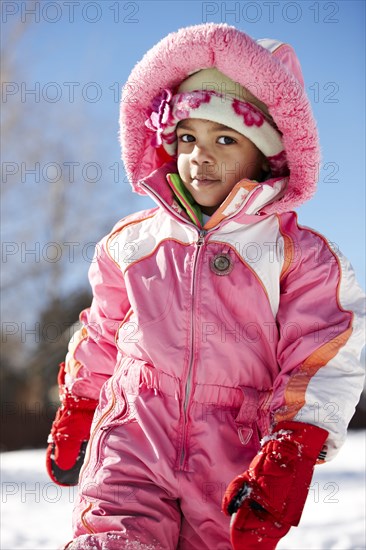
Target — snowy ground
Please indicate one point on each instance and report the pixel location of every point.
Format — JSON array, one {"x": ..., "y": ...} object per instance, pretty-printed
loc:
[{"x": 36, "y": 514}]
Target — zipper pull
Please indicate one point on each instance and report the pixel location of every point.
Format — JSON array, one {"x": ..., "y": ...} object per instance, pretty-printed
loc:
[{"x": 201, "y": 238}]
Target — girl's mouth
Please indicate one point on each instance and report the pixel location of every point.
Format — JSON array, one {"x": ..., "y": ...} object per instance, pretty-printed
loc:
[{"x": 203, "y": 182}]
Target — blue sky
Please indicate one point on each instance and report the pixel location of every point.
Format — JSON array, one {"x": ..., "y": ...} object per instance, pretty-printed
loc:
[{"x": 94, "y": 45}]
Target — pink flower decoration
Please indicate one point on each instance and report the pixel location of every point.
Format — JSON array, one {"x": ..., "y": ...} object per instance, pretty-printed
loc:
[
  {"x": 158, "y": 120},
  {"x": 186, "y": 102},
  {"x": 170, "y": 137},
  {"x": 250, "y": 114}
]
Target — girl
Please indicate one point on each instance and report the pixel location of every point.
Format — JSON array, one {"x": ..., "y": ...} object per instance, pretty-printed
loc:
[{"x": 217, "y": 321}]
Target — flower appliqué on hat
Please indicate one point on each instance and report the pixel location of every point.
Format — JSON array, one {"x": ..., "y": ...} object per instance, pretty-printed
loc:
[
  {"x": 251, "y": 115},
  {"x": 185, "y": 102},
  {"x": 159, "y": 118}
]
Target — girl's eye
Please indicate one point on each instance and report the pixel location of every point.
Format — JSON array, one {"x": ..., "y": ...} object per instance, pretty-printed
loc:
[
  {"x": 226, "y": 140},
  {"x": 186, "y": 138}
]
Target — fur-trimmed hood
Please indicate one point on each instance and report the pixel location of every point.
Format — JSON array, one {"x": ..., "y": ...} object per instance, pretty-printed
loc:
[{"x": 267, "y": 68}]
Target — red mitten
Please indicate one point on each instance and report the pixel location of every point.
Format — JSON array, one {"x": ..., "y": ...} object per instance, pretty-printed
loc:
[
  {"x": 270, "y": 496},
  {"x": 69, "y": 435}
]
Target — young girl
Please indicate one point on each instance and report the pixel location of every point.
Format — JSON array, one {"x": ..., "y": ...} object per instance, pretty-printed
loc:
[{"x": 217, "y": 321}]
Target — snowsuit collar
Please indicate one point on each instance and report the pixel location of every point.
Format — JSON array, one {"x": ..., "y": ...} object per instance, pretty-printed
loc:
[{"x": 248, "y": 198}]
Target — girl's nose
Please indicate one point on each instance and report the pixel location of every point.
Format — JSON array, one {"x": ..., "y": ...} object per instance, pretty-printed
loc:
[{"x": 201, "y": 154}]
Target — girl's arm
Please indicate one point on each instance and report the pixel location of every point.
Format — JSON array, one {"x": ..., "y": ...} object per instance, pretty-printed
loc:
[
  {"x": 92, "y": 354},
  {"x": 90, "y": 361},
  {"x": 321, "y": 326},
  {"x": 321, "y": 322}
]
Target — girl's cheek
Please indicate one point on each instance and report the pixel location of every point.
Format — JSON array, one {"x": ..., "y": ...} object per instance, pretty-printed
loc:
[{"x": 181, "y": 165}]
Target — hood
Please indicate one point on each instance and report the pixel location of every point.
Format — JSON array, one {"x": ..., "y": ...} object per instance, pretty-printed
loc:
[{"x": 268, "y": 68}]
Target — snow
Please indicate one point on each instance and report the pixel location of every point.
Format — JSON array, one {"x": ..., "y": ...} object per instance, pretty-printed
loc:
[{"x": 36, "y": 513}]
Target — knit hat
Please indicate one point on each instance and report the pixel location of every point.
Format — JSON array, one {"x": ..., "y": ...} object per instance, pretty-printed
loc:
[{"x": 210, "y": 95}]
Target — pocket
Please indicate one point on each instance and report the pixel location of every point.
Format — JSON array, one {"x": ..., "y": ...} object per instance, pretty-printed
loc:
[
  {"x": 114, "y": 412},
  {"x": 121, "y": 415}
]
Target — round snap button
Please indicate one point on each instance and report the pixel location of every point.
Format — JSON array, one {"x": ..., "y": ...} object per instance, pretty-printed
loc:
[{"x": 221, "y": 264}]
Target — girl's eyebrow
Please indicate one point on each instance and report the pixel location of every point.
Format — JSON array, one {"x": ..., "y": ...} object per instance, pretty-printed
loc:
[{"x": 184, "y": 126}]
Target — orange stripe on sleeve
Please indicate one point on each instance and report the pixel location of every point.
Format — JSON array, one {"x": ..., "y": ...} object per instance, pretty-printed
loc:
[{"x": 297, "y": 386}]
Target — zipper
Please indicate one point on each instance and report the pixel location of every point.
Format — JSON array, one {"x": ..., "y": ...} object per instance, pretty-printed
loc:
[
  {"x": 201, "y": 239},
  {"x": 188, "y": 384}
]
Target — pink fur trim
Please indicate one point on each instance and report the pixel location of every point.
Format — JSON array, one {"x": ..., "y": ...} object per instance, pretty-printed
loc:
[{"x": 219, "y": 45}]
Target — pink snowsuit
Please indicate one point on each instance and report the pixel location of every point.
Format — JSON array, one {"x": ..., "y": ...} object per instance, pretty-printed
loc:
[{"x": 200, "y": 338}]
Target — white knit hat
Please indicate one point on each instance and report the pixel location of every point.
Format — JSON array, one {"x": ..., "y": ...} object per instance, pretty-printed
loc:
[{"x": 215, "y": 81}]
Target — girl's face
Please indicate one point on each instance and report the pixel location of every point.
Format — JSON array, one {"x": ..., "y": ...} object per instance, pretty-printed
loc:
[{"x": 212, "y": 158}]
